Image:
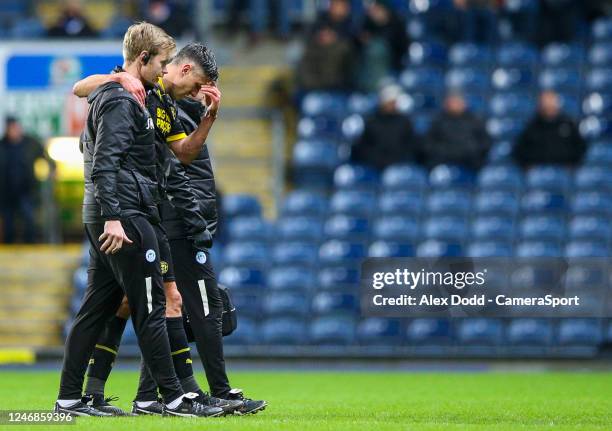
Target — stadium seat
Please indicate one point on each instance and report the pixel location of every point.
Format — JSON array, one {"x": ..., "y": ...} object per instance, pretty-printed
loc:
[
  {"x": 594, "y": 127},
  {"x": 500, "y": 178},
  {"x": 541, "y": 274},
  {"x": 595, "y": 178},
  {"x": 378, "y": 331},
  {"x": 243, "y": 253},
  {"x": 429, "y": 331},
  {"x": 511, "y": 105},
  {"x": 246, "y": 333},
  {"x": 240, "y": 277},
  {"x": 304, "y": 202},
  {"x": 478, "y": 331},
  {"x": 600, "y": 54},
  {"x": 421, "y": 123},
  {"x": 341, "y": 226},
  {"x": 542, "y": 228},
  {"x": 469, "y": 54},
  {"x": 314, "y": 162},
  {"x": 285, "y": 304},
  {"x": 582, "y": 248},
  {"x": 548, "y": 177},
  {"x": 449, "y": 202},
  {"x": 532, "y": 332},
  {"x": 531, "y": 249},
  {"x": 490, "y": 249},
  {"x": 362, "y": 104},
  {"x": 569, "y": 103},
  {"x": 355, "y": 177},
  {"x": 79, "y": 280},
  {"x": 420, "y": 101},
  {"x": 352, "y": 127},
  {"x": 404, "y": 177},
  {"x": 427, "y": 54},
  {"x": 284, "y": 331},
  {"x": 560, "y": 80},
  {"x": 561, "y": 55},
  {"x": 421, "y": 79},
  {"x": 291, "y": 278},
  {"x": 319, "y": 128},
  {"x": 298, "y": 228},
  {"x": 338, "y": 278},
  {"x": 504, "y": 128},
  {"x": 400, "y": 203},
  {"x": 294, "y": 253},
  {"x": 599, "y": 154},
  {"x": 541, "y": 201},
  {"x": 590, "y": 227},
  {"x": 597, "y": 104},
  {"x": 599, "y": 79},
  {"x": 248, "y": 303},
  {"x": 487, "y": 228},
  {"x": 241, "y": 205},
  {"x": 516, "y": 54},
  {"x": 336, "y": 252},
  {"x": 248, "y": 228},
  {"x": 396, "y": 228},
  {"x": 447, "y": 228},
  {"x": 601, "y": 29},
  {"x": 445, "y": 176},
  {"x": 496, "y": 203},
  {"x": 433, "y": 249},
  {"x": 316, "y": 104},
  {"x": 335, "y": 303},
  {"x": 587, "y": 275},
  {"x": 353, "y": 202},
  {"x": 580, "y": 332},
  {"x": 512, "y": 79},
  {"x": 390, "y": 249},
  {"x": 332, "y": 331},
  {"x": 468, "y": 79},
  {"x": 592, "y": 203}
]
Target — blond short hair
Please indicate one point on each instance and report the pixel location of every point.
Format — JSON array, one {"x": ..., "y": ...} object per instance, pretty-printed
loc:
[{"x": 143, "y": 36}]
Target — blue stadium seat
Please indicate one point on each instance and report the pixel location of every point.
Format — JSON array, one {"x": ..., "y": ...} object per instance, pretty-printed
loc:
[
  {"x": 129, "y": 335},
  {"x": 332, "y": 331},
  {"x": 599, "y": 154},
  {"x": 601, "y": 29},
  {"x": 479, "y": 331},
  {"x": 378, "y": 331},
  {"x": 486, "y": 228},
  {"x": 243, "y": 253},
  {"x": 404, "y": 177},
  {"x": 246, "y": 333},
  {"x": 449, "y": 202},
  {"x": 248, "y": 228},
  {"x": 511, "y": 105},
  {"x": 476, "y": 103},
  {"x": 285, "y": 304},
  {"x": 421, "y": 123},
  {"x": 314, "y": 128},
  {"x": 353, "y": 202},
  {"x": 541, "y": 201},
  {"x": 512, "y": 79},
  {"x": 467, "y": 79},
  {"x": 324, "y": 104},
  {"x": 590, "y": 227},
  {"x": 294, "y": 253},
  {"x": 291, "y": 278},
  {"x": 79, "y": 280},
  {"x": 434, "y": 249},
  {"x": 447, "y": 228},
  {"x": 490, "y": 249},
  {"x": 597, "y": 104},
  {"x": 284, "y": 331},
  {"x": 595, "y": 178},
  {"x": 396, "y": 228},
  {"x": 420, "y": 101},
  {"x": 400, "y": 203},
  {"x": 579, "y": 249},
  {"x": 469, "y": 54},
  {"x": 496, "y": 203},
  {"x": 298, "y": 228},
  {"x": 581, "y": 276},
  {"x": 390, "y": 249},
  {"x": 353, "y": 127},
  {"x": 516, "y": 54},
  {"x": 594, "y": 127},
  {"x": 542, "y": 228},
  {"x": 547, "y": 177},
  {"x": 531, "y": 249},
  {"x": 600, "y": 54},
  {"x": 304, "y": 202},
  {"x": 338, "y": 278},
  {"x": 501, "y": 177},
  {"x": 599, "y": 79},
  {"x": 314, "y": 162},
  {"x": 240, "y": 277},
  {"x": 248, "y": 303},
  {"x": 341, "y": 226},
  {"x": 429, "y": 331},
  {"x": 336, "y": 252},
  {"x": 355, "y": 176},
  {"x": 569, "y": 103},
  {"x": 421, "y": 79},
  {"x": 445, "y": 176},
  {"x": 561, "y": 55},
  {"x": 241, "y": 205},
  {"x": 427, "y": 54},
  {"x": 504, "y": 128},
  {"x": 335, "y": 303},
  {"x": 362, "y": 104},
  {"x": 580, "y": 332},
  {"x": 592, "y": 203},
  {"x": 532, "y": 332},
  {"x": 537, "y": 274},
  {"x": 560, "y": 80}
]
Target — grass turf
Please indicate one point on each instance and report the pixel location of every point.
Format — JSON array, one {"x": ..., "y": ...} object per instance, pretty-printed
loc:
[{"x": 352, "y": 400}]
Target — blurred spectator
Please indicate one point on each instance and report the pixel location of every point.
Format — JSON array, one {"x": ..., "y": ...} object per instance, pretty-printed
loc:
[
  {"x": 259, "y": 12},
  {"x": 337, "y": 17},
  {"x": 388, "y": 136},
  {"x": 170, "y": 16},
  {"x": 327, "y": 62},
  {"x": 477, "y": 20},
  {"x": 72, "y": 23},
  {"x": 558, "y": 21},
  {"x": 384, "y": 44},
  {"x": 551, "y": 137},
  {"x": 457, "y": 136},
  {"x": 18, "y": 152}
]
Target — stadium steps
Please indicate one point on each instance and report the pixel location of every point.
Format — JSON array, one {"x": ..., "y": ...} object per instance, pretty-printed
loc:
[{"x": 35, "y": 294}]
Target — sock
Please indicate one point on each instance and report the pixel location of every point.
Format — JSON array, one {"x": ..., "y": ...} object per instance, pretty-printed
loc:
[
  {"x": 181, "y": 355},
  {"x": 103, "y": 358},
  {"x": 174, "y": 404},
  {"x": 147, "y": 388},
  {"x": 144, "y": 404},
  {"x": 67, "y": 403}
]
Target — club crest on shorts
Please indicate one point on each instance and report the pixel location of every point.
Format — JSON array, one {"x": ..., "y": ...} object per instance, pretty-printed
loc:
[
  {"x": 201, "y": 257},
  {"x": 163, "y": 266},
  {"x": 150, "y": 255}
]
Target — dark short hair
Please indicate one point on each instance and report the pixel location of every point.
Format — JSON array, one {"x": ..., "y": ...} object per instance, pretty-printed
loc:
[{"x": 200, "y": 55}]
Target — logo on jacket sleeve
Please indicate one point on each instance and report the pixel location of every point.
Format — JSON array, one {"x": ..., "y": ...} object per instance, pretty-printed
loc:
[
  {"x": 150, "y": 255},
  {"x": 201, "y": 257}
]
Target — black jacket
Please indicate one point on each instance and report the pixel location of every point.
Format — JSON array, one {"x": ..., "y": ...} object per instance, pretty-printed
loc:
[
  {"x": 118, "y": 145},
  {"x": 201, "y": 178},
  {"x": 556, "y": 141}
]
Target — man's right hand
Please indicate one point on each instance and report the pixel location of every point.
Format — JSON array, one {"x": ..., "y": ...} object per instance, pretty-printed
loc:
[
  {"x": 132, "y": 85},
  {"x": 113, "y": 237}
]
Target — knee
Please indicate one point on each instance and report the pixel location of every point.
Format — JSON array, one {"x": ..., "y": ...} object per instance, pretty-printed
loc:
[
  {"x": 174, "y": 301},
  {"x": 124, "y": 308}
]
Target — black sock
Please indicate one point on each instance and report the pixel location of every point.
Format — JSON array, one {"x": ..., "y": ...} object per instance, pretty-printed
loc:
[
  {"x": 181, "y": 355},
  {"x": 103, "y": 358}
]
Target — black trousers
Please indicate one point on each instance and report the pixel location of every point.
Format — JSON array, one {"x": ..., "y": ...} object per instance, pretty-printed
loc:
[
  {"x": 197, "y": 284},
  {"x": 133, "y": 271}
]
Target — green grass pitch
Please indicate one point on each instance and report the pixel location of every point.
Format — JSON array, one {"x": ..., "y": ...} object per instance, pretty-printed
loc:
[{"x": 362, "y": 401}]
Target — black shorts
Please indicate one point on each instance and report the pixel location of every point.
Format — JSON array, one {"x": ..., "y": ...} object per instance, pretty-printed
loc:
[{"x": 165, "y": 254}]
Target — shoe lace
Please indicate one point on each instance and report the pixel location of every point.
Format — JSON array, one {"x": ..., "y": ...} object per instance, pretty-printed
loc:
[{"x": 111, "y": 399}]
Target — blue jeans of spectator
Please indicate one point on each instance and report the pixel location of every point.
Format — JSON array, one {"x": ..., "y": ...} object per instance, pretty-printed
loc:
[{"x": 23, "y": 207}]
